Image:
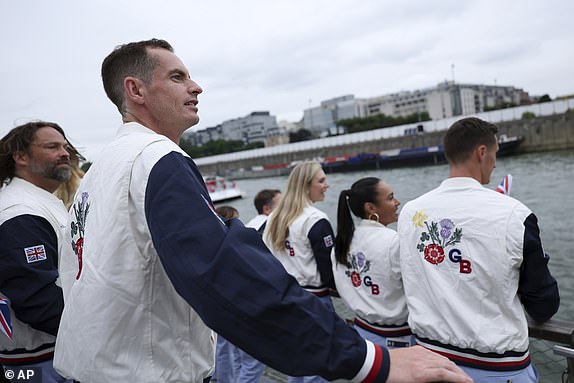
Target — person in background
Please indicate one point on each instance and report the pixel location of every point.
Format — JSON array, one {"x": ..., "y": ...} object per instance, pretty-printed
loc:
[
  {"x": 472, "y": 261},
  {"x": 265, "y": 201},
  {"x": 154, "y": 269},
  {"x": 66, "y": 190},
  {"x": 300, "y": 236},
  {"x": 227, "y": 358},
  {"x": 250, "y": 369},
  {"x": 366, "y": 263},
  {"x": 34, "y": 162},
  {"x": 227, "y": 212}
]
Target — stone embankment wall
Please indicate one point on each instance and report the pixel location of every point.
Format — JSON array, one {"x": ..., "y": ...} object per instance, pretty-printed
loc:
[{"x": 554, "y": 132}]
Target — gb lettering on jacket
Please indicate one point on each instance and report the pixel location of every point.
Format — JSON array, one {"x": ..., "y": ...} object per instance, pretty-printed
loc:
[{"x": 438, "y": 238}]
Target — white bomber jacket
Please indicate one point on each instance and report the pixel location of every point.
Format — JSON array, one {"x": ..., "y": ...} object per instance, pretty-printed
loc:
[
  {"x": 371, "y": 284},
  {"x": 19, "y": 199},
  {"x": 151, "y": 265},
  {"x": 150, "y": 329},
  {"x": 299, "y": 258},
  {"x": 470, "y": 259}
]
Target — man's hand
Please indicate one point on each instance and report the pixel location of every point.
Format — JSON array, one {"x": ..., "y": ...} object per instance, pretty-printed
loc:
[{"x": 417, "y": 364}]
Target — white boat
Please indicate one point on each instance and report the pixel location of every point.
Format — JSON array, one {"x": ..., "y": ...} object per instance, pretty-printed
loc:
[{"x": 221, "y": 190}]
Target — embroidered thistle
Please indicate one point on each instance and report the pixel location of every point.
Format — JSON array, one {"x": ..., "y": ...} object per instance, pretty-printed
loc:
[
  {"x": 78, "y": 226},
  {"x": 358, "y": 264},
  {"x": 361, "y": 260},
  {"x": 440, "y": 238},
  {"x": 446, "y": 228}
]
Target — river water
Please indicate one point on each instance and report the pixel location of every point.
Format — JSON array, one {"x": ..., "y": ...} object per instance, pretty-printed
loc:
[{"x": 542, "y": 181}]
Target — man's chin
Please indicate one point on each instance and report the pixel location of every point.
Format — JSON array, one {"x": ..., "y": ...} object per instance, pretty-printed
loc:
[
  {"x": 63, "y": 175},
  {"x": 193, "y": 121}
]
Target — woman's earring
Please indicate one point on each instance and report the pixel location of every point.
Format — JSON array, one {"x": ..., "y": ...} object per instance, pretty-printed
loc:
[{"x": 375, "y": 215}]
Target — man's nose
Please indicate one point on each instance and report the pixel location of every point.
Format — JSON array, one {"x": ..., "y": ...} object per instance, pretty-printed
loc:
[
  {"x": 64, "y": 151},
  {"x": 194, "y": 87}
]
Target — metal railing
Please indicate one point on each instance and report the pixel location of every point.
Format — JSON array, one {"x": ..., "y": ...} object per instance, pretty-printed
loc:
[
  {"x": 552, "y": 344},
  {"x": 568, "y": 353},
  {"x": 551, "y": 348}
]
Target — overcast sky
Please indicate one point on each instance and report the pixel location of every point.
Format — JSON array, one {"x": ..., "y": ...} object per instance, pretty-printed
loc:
[{"x": 275, "y": 55}]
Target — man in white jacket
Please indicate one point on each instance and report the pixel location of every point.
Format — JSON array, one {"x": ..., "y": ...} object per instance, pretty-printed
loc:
[
  {"x": 34, "y": 161},
  {"x": 154, "y": 269},
  {"x": 265, "y": 201},
  {"x": 472, "y": 262},
  {"x": 250, "y": 369}
]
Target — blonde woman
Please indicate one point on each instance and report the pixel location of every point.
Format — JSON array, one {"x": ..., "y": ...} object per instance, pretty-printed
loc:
[{"x": 300, "y": 236}]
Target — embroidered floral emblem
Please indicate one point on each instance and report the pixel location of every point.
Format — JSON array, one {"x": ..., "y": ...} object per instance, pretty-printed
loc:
[
  {"x": 434, "y": 254},
  {"x": 441, "y": 235},
  {"x": 419, "y": 218},
  {"x": 78, "y": 226},
  {"x": 355, "y": 279},
  {"x": 358, "y": 265}
]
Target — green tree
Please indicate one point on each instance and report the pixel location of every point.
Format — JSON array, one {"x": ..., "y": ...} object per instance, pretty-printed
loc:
[
  {"x": 300, "y": 135},
  {"x": 215, "y": 147},
  {"x": 377, "y": 121},
  {"x": 528, "y": 115}
]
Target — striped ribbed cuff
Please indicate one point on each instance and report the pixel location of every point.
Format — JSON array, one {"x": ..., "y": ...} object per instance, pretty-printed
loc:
[{"x": 376, "y": 367}]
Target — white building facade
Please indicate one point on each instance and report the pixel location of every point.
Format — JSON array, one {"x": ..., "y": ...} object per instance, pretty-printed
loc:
[
  {"x": 255, "y": 127},
  {"x": 447, "y": 99}
]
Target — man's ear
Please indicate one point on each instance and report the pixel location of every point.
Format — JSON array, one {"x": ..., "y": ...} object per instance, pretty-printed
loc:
[
  {"x": 20, "y": 157},
  {"x": 481, "y": 151},
  {"x": 133, "y": 89}
]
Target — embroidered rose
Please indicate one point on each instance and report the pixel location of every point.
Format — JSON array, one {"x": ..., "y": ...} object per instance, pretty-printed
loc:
[
  {"x": 434, "y": 254},
  {"x": 79, "y": 250},
  {"x": 358, "y": 264},
  {"x": 79, "y": 247},
  {"x": 78, "y": 226},
  {"x": 355, "y": 279},
  {"x": 441, "y": 234}
]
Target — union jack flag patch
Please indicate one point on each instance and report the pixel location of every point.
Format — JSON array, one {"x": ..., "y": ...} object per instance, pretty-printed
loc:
[
  {"x": 35, "y": 253},
  {"x": 328, "y": 240},
  {"x": 5, "y": 324}
]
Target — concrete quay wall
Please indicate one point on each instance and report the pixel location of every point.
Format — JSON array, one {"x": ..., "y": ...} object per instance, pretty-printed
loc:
[{"x": 555, "y": 132}]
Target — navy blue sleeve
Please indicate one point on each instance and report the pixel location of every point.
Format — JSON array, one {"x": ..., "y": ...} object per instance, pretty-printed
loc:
[
  {"x": 321, "y": 237},
  {"x": 28, "y": 281},
  {"x": 262, "y": 228},
  {"x": 226, "y": 273},
  {"x": 537, "y": 289}
]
